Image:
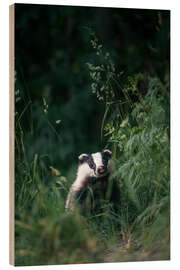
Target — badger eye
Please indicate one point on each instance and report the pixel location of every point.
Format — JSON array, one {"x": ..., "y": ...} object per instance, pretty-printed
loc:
[{"x": 91, "y": 164}]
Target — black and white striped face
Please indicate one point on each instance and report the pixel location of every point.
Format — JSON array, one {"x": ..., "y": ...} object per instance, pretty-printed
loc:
[{"x": 97, "y": 162}]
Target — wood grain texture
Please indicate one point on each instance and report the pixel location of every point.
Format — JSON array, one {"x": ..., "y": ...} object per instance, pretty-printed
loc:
[{"x": 11, "y": 133}]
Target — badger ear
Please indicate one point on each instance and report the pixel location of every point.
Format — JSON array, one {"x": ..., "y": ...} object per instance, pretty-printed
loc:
[
  {"x": 107, "y": 153},
  {"x": 83, "y": 157}
]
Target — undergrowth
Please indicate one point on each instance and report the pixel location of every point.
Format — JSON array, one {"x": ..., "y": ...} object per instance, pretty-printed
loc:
[{"x": 136, "y": 127}]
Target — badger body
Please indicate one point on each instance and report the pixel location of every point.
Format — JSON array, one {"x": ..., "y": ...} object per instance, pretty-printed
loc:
[{"x": 93, "y": 176}]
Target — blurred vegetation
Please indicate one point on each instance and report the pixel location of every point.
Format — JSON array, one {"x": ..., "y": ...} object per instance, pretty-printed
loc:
[{"x": 86, "y": 79}]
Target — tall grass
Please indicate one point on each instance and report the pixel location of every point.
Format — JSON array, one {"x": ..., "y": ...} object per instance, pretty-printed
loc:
[{"x": 136, "y": 126}]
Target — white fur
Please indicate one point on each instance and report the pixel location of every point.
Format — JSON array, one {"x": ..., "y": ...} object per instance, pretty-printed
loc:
[
  {"x": 107, "y": 150},
  {"x": 84, "y": 171},
  {"x": 83, "y": 174},
  {"x": 82, "y": 156},
  {"x": 97, "y": 157}
]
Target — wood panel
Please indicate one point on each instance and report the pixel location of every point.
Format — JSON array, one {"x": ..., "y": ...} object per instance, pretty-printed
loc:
[{"x": 11, "y": 132}]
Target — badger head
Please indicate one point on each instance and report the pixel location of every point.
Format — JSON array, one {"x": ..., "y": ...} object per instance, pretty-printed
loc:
[{"x": 98, "y": 163}]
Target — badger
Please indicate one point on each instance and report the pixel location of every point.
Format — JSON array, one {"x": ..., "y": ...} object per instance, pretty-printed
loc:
[{"x": 93, "y": 173}]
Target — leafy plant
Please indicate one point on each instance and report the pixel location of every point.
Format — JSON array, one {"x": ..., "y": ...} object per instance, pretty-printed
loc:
[{"x": 137, "y": 128}]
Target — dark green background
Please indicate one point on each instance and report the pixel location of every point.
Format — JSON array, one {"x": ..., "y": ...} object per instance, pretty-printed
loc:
[{"x": 52, "y": 47}]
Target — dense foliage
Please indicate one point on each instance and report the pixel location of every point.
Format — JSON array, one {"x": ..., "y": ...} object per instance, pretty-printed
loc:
[{"x": 75, "y": 94}]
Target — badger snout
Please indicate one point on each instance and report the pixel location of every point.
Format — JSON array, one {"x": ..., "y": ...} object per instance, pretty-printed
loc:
[{"x": 101, "y": 169}]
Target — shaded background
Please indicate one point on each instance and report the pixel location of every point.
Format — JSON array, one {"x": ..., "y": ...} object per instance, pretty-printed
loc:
[
  {"x": 52, "y": 47},
  {"x": 57, "y": 118}
]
